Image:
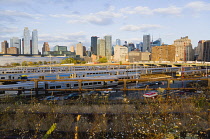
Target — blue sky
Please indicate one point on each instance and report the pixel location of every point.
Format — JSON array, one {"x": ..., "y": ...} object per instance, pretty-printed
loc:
[{"x": 67, "y": 22}]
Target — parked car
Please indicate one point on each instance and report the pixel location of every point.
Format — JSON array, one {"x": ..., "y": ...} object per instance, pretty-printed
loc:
[
  {"x": 141, "y": 85},
  {"x": 51, "y": 98},
  {"x": 94, "y": 93},
  {"x": 108, "y": 91},
  {"x": 72, "y": 96},
  {"x": 151, "y": 94}
]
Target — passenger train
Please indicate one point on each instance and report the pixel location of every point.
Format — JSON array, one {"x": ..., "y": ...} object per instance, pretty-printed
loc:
[
  {"x": 191, "y": 73},
  {"x": 29, "y": 88}
]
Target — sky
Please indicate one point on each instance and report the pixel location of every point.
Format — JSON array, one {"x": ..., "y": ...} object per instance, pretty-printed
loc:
[{"x": 67, "y": 22}]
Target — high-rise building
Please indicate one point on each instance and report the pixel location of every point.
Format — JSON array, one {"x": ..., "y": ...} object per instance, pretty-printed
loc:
[
  {"x": 79, "y": 49},
  {"x": 108, "y": 46},
  {"x": 84, "y": 51},
  {"x": 16, "y": 42},
  {"x": 22, "y": 48},
  {"x": 26, "y": 36},
  {"x": 94, "y": 44},
  {"x": 163, "y": 53},
  {"x": 34, "y": 42},
  {"x": 45, "y": 47},
  {"x": 131, "y": 46},
  {"x": 146, "y": 43},
  {"x": 120, "y": 53},
  {"x": 206, "y": 51},
  {"x": 157, "y": 42},
  {"x": 101, "y": 47},
  {"x": 199, "y": 50},
  {"x": 118, "y": 42},
  {"x": 184, "y": 50},
  {"x": 4, "y": 46},
  {"x": 72, "y": 48}
]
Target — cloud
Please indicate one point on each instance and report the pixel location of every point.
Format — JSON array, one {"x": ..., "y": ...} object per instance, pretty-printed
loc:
[
  {"x": 64, "y": 15},
  {"x": 143, "y": 27},
  {"x": 7, "y": 30},
  {"x": 137, "y": 10},
  {"x": 94, "y": 19},
  {"x": 99, "y": 18},
  {"x": 11, "y": 16},
  {"x": 198, "y": 6},
  {"x": 172, "y": 10},
  {"x": 63, "y": 37}
]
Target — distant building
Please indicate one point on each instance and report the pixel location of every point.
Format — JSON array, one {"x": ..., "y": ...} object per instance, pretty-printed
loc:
[
  {"x": 134, "y": 56},
  {"x": 146, "y": 43},
  {"x": 72, "y": 48},
  {"x": 94, "y": 44},
  {"x": 79, "y": 49},
  {"x": 118, "y": 42},
  {"x": 60, "y": 48},
  {"x": 84, "y": 51},
  {"x": 45, "y": 47},
  {"x": 206, "y": 51},
  {"x": 145, "y": 56},
  {"x": 200, "y": 49},
  {"x": 16, "y": 42},
  {"x": 131, "y": 47},
  {"x": 34, "y": 42},
  {"x": 157, "y": 42},
  {"x": 108, "y": 46},
  {"x": 101, "y": 47},
  {"x": 120, "y": 53},
  {"x": 163, "y": 53},
  {"x": 4, "y": 46},
  {"x": 184, "y": 50},
  {"x": 12, "y": 50},
  {"x": 26, "y": 36}
]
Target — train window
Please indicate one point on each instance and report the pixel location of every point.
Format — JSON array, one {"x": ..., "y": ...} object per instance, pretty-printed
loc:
[
  {"x": 2, "y": 77},
  {"x": 67, "y": 85},
  {"x": 75, "y": 84},
  {"x": 90, "y": 83},
  {"x": 52, "y": 87},
  {"x": 2, "y": 92},
  {"x": 58, "y": 86},
  {"x": 99, "y": 82},
  {"x": 85, "y": 83},
  {"x": 95, "y": 83}
]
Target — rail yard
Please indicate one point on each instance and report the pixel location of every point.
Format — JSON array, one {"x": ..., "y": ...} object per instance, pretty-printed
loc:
[{"x": 105, "y": 102}]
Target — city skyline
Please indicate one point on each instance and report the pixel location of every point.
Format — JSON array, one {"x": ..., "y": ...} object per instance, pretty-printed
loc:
[{"x": 75, "y": 21}]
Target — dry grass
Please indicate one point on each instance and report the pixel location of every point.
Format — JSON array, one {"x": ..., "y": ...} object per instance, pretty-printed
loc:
[{"x": 155, "y": 119}]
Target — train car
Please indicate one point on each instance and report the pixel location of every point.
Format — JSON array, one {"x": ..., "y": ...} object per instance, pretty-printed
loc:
[{"x": 190, "y": 73}]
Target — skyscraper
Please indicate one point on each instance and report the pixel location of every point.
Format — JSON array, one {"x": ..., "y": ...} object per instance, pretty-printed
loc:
[
  {"x": 101, "y": 47},
  {"x": 199, "y": 50},
  {"x": 118, "y": 42},
  {"x": 94, "y": 44},
  {"x": 79, "y": 49},
  {"x": 146, "y": 43},
  {"x": 16, "y": 42},
  {"x": 45, "y": 47},
  {"x": 26, "y": 36},
  {"x": 72, "y": 48},
  {"x": 157, "y": 42},
  {"x": 4, "y": 46},
  {"x": 206, "y": 51},
  {"x": 34, "y": 42},
  {"x": 108, "y": 46}
]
